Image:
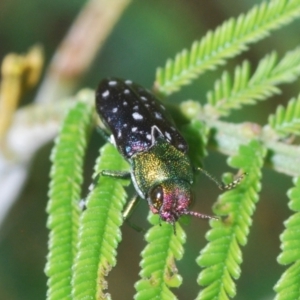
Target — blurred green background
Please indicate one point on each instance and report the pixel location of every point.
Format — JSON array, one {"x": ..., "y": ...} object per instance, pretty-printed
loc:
[{"x": 147, "y": 34}]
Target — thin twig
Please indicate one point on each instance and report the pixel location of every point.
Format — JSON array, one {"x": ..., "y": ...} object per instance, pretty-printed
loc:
[{"x": 78, "y": 49}]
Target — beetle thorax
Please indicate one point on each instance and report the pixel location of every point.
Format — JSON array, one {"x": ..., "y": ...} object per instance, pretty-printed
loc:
[{"x": 161, "y": 163}]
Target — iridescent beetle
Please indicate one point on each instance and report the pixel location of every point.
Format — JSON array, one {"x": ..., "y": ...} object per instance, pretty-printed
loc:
[{"x": 146, "y": 136}]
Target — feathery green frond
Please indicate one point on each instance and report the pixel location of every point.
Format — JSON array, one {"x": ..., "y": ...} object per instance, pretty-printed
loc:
[
  {"x": 288, "y": 286},
  {"x": 231, "y": 93},
  {"x": 63, "y": 206},
  {"x": 99, "y": 232},
  {"x": 286, "y": 121},
  {"x": 228, "y": 40},
  {"x": 222, "y": 256},
  {"x": 196, "y": 135},
  {"x": 159, "y": 272}
]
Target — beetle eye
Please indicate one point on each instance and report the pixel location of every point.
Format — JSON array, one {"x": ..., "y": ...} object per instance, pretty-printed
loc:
[{"x": 156, "y": 197}]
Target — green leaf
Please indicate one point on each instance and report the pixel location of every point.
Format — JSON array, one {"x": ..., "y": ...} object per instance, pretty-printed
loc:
[
  {"x": 231, "y": 93},
  {"x": 221, "y": 258},
  {"x": 99, "y": 231},
  {"x": 195, "y": 133},
  {"x": 228, "y": 40},
  {"x": 65, "y": 189},
  {"x": 288, "y": 286},
  {"x": 159, "y": 272},
  {"x": 286, "y": 121}
]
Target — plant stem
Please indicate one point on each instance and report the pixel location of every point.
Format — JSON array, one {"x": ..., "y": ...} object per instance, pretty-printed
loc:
[
  {"x": 227, "y": 137},
  {"x": 79, "y": 47}
]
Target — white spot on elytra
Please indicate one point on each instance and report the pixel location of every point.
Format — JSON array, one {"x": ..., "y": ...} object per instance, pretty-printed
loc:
[
  {"x": 162, "y": 107},
  {"x": 137, "y": 116},
  {"x": 136, "y": 107},
  {"x": 126, "y": 91},
  {"x": 180, "y": 146},
  {"x": 128, "y": 81},
  {"x": 112, "y": 83},
  {"x": 173, "y": 128},
  {"x": 168, "y": 136},
  {"x": 144, "y": 98},
  {"x": 147, "y": 105},
  {"x": 105, "y": 94},
  {"x": 119, "y": 133},
  {"x": 148, "y": 136},
  {"x": 158, "y": 115},
  {"x": 134, "y": 129},
  {"x": 115, "y": 110},
  {"x": 125, "y": 103},
  {"x": 125, "y": 125}
]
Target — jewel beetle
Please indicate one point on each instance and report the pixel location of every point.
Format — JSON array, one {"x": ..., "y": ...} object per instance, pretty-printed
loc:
[{"x": 146, "y": 136}]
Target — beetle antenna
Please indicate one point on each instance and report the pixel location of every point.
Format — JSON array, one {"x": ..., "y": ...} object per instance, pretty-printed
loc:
[
  {"x": 221, "y": 186},
  {"x": 199, "y": 215}
]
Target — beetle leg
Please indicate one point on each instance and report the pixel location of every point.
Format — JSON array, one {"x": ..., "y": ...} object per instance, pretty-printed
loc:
[
  {"x": 103, "y": 133},
  {"x": 116, "y": 174},
  {"x": 130, "y": 207}
]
